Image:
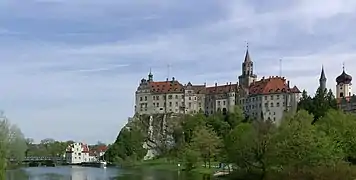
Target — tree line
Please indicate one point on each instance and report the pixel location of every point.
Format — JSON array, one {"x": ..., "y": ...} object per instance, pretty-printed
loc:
[{"x": 316, "y": 142}]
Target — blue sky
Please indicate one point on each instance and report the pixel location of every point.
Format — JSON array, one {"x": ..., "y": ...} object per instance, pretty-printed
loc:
[{"x": 69, "y": 68}]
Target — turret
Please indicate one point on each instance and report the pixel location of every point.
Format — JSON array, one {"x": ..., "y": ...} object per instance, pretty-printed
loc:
[{"x": 322, "y": 80}]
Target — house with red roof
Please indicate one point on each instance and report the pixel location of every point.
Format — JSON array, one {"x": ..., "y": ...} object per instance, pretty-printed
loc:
[{"x": 77, "y": 153}]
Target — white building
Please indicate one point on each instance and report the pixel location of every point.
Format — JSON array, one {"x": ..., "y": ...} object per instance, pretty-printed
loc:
[{"x": 77, "y": 153}]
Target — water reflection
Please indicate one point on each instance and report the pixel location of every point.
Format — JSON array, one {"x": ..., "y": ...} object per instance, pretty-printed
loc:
[
  {"x": 87, "y": 173},
  {"x": 16, "y": 175}
]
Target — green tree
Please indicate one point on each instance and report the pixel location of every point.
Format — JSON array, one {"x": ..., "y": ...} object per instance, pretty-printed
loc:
[
  {"x": 191, "y": 158},
  {"x": 248, "y": 146},
  {"x": 298, "y": 144},
  {"x": 128, "y": 146},
  {"x": 190, "y": 123},
  {"x": 206, "y": 141},
  {"x": 330, "y": 98},
  {"x": 320, "y": 104},
  {"x": 341, "y": 128},
  {"x": 12, "y": 144},
  {"x": 306, "y": 102}
]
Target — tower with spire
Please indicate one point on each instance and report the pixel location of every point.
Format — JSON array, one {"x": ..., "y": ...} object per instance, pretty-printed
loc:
[
  {"x": 322, "y": 80},
  {"x": 247, "y": 76},
  {"x": 343, "y": 85},
  {"x": 150, "y": 76}
]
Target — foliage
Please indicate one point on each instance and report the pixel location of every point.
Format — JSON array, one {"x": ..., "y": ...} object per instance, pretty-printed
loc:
[
  {"x": 318, "y": 105},
  {"x": 341, "y": 128},
  {"x": 47, "y": 147},
  {"x": 298, "y": 144},
  {"x": 127, "y": 147},
  {"x": 206, "y": 142},
  {"x": 12, "y": 144},
  {"x": 191, "y": 158}
]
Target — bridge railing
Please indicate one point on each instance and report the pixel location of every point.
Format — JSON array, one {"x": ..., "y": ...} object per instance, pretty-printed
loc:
[{"x": 44, "y": 158}]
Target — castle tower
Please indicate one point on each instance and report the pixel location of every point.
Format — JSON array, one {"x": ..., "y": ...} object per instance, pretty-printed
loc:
[
  {"x": 247, "y": 76},
  {"x": 322, "y": 80},
  {"x": 343, "y": 85},
  {"x": 150, "y": 76}
]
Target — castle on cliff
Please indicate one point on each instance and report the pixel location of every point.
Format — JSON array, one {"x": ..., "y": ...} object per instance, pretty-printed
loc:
[{"x": 264, "y": 99}]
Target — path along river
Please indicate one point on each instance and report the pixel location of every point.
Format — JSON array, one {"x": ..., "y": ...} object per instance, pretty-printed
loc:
[{"x": 88, "y": 173}]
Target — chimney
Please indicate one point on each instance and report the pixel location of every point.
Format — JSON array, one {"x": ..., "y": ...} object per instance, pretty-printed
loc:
[
  {"x": 173, "y": 79},
  {"x": 227, "y": 83},
  {"x": 205, "y": 84},
  {"x": 216, "y": 84},
  {"x": 167, "y": 79},
  {"x": 288, "y": 84}
]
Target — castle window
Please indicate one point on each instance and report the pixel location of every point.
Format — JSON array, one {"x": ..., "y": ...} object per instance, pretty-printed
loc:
[
  {"x": 271, "y": 104},
  {"x": 145, "y": 98},
  {"x": 277, "y": 96},
  {"x": 141, "y": 99},
  {"x": 341, "y": 94},
  {"x": 278, "y": 104},
  {"x": 271, "y": 97},
  {"x": 170, "y": 104},
  {"x": 176, "y": 96}
]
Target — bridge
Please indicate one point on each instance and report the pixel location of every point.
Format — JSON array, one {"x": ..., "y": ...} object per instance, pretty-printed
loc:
[
  {"x": 43, "y": 158},
  {"x": 40, "y": 159}
]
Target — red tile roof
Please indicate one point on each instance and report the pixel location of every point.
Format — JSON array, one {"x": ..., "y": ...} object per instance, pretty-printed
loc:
[
  {"x": 102, "y": 148},
  {"x": 221, "y": 89},
  {"x": 270, "y": 86},
  {"x": 166, "y": 87},
  {"x": 70, "y": 148}
]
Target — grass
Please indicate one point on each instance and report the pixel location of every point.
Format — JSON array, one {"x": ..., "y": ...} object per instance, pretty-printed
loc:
[{"x": 165, "y": 164}]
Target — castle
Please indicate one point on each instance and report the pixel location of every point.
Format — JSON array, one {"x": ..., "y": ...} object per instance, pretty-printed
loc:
[{"x": 266, "y": 99}]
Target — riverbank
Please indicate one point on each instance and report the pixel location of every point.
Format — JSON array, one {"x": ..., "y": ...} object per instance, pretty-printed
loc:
[{"x": 170, "y": 165}]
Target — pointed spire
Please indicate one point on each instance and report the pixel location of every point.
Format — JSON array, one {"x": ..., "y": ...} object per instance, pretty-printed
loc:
[
  {"x": 322, "y": 75},
  {"x": 247, "y": 56},
  {"x": 150, "y": 76},
  {"x": 343, "y": 67},
  {"x": 322, "y": 80}
]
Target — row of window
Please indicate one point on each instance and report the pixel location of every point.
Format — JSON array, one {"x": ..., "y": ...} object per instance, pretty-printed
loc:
[
  {"x": 266, "y": 105},
  {"x": 170, "y": 104},
  {"x": 169, "y": 97},
  {"x": 259, "y": 98}
]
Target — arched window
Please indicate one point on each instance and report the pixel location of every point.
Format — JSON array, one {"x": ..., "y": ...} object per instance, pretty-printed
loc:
[{"x": 341, "y": 94}]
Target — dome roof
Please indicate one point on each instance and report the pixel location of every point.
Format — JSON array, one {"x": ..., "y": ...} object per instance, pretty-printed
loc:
[{"x": 344, "y": 78}]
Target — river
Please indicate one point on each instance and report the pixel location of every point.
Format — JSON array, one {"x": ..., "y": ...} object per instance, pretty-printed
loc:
[{"x": 88, "y": 173}]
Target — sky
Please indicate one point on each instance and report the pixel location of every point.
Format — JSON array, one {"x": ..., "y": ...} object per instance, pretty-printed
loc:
[{"x": 69, "y": 68}]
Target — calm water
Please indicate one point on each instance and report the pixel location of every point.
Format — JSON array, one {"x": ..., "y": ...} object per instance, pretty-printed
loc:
[{"x": 88, "y": 173}]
